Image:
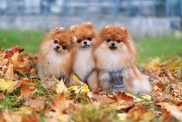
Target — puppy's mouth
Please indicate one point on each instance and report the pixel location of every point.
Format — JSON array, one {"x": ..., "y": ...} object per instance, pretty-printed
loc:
[
  {"x": 113, "y": 47},
  {"x": 85, "y": 46}
]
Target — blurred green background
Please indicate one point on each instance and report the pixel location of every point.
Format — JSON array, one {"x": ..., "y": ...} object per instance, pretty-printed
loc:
[{"x": 165, "y": 46}]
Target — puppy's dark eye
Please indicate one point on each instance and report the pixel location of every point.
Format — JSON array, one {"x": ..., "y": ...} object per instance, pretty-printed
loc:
[
  {"x": 89, "y": 38},
  {"x": 64, "y": 47},
  {"x": 118, "y": 40},
  {"x": 55, "y": 41},
  {"x": 79, "y": 40},
  {"x": 108, "y": 40}
]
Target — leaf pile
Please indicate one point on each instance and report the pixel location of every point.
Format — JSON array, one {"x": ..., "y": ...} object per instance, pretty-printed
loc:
[{"x": 26, "y": 98}]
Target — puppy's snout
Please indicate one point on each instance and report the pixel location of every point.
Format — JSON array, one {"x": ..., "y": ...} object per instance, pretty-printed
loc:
[
  {"x": 85, "y": 42},
  {"x": 57, "y": 47}
]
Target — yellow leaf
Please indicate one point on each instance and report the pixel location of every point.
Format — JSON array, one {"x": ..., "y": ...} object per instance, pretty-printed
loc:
[
  {"x": 24, "y": 110},
  {"x": 153, "y": 65},
  {"x": 76, "y": 79},
  {"x": 10, "y": 72},
  {"x": 60, "y": 87},
  {"x": 85, "y": 86},
  {"x": 6, "y": 85}
]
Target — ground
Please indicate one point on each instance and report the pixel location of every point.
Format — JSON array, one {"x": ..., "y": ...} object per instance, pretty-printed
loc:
[{"x": 24, "y": 97}]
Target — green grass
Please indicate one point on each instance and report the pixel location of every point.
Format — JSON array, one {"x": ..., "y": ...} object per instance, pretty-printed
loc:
[
  {"x": 166, "y": 46},
  {"x": 147, "y": 47},
  {"x": 29, "y": 40}
]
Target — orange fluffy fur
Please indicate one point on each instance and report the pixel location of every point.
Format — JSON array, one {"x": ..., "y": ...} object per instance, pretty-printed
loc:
[
  {"x": 56, "y": 54},
  {"x": 114, "y": 51},
  {"x": 84, "y": 36}
]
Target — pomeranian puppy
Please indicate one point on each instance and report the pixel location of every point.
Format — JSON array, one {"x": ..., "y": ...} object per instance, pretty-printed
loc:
[
  {"x": 84, "y": 66},
  {"x": 56, "y": 54},
  {"x": 115, "y": 57}
]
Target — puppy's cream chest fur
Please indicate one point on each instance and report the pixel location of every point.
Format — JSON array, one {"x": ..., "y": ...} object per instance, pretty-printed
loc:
[
  {"x": 56, "y": 63},
  {"x": 84, "y": 62},
  {"x": 109, "y": 60}
]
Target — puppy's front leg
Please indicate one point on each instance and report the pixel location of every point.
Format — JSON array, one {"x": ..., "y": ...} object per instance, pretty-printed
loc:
[
  {"x": 93, "y": 81},
  {"x": 104, "y": 79}
]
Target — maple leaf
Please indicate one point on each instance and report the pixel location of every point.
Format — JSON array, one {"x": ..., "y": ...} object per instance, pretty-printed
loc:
[
  {"x": 104, "y": 99},
  {"x": 124, "y": 101},
  {"x": 9, "y": 85},
  {"x": 140, "y": 113},
  {"x": 37, "y": 103},
  {"x": 60, "y": 103},
  {"x": 26, "y": 91},
  {"x": 10, "y": 72},
  {"x": 174, "y": 110},
  {"x": 60, "y": 87}
]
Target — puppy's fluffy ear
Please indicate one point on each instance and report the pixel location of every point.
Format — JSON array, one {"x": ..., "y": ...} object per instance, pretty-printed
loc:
[
  {"x": 57, "y": 30},
  {"x": 88, "y": 24},
  {"x": 61, "y": 28},
  {"x": 124, "y": 29},
  {"x": 73, "y": 27},
  {"x": 74, "y": 39},
  {"x": 107, "y": 26}
]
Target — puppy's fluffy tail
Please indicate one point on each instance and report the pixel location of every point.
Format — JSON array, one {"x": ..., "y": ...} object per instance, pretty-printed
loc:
[{"x": 135, "y": 81}]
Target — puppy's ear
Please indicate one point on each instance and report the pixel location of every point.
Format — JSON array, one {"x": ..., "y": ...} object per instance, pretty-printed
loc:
[
  {"x": 73, "y": 27},
  {"x": 107, "y": 26},
  {"x": 56, "y": 30},
  {"x": 124, "y": 29},
  {"x": 74, "y": 39},
  {"x": 89, "y": 24}
]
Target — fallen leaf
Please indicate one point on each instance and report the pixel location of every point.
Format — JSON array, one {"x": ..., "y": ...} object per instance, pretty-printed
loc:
[
  {"x": 104, "y": 99},
  {"x": 37, "y": 103},
  {"x": 60, "y": 103},
  {"x": 174, "y": 110},
  {"x": 9, "y": 85},
  {"x": 26, "y": 91},
  {"x": 60, "y": 87},
  {"x": 9, "y": 75}
]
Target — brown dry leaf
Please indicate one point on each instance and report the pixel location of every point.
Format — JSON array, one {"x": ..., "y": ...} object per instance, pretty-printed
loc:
[
  {"x": 10, "y": 117},
  {"x": 11, "y": 51},
  {"x": 49, "y": 83},
  {"x": 32, "y": 117},
  {"x": 26, "y": 91},
  {"x": 174, "y": 110},
  {"x": 56, "y": 117},
  {"x": 37, "y": 103},
  {"x": 21, "y": 62},
  {"x": 124, "y": 101},
  {"x": 159, "y": 85},
  {"x": 104, "y": 99},
  {"x": 62, "y": 108},
  {"x": 61, "y": 104},
  {"x": 33, "y": 73},
  {"x": 10, "y": 73},
  {"x": 139, "y": 113}
]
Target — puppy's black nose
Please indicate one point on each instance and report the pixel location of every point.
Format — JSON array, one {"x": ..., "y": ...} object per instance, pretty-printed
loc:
[
  {"x": 85, "y": 43},
  {"x": 57, "y": 47},
  {"x": 113, "y": 44}
]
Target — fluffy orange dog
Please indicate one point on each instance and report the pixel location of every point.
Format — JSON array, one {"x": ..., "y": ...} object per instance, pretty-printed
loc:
[
  {"x": 84, "y": 37},
  {"x": 56, "y": 54},
  {"x": 115, "y": 60}
]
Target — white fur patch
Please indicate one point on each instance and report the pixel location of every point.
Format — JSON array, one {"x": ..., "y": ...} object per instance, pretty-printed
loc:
[
  {"x": 84, "y": 62},
  {"x": 56, "y": 62},
  {"x": 110, "y": 60}
]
